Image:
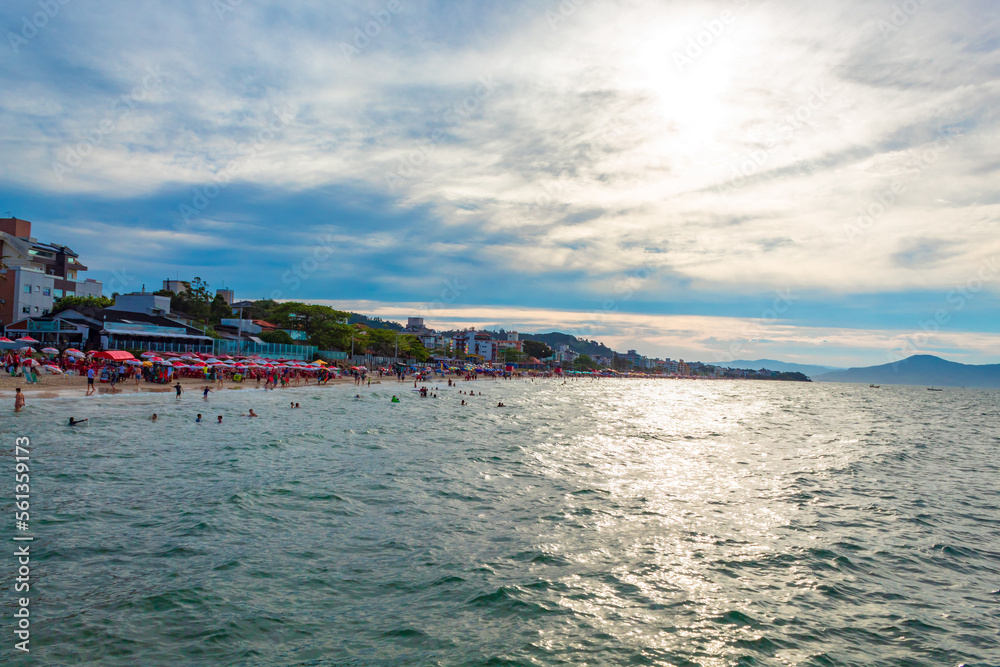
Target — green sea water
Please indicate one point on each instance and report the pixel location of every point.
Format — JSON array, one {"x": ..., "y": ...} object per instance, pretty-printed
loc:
[{"x": 602, "y": 522}]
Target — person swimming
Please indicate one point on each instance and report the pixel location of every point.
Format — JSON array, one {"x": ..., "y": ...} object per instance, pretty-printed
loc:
[
  {"x": 252, "y": 414},
  {"x": 220, "y": 420},
  {"x": 73, "y": 421},
  {"x": 198, "y": 419},
  {"x": 153, "y": 418},
  {"x": 394, "y": 400}
]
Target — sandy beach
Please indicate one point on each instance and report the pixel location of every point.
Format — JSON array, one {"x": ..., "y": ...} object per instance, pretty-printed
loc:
[{"x": 63, "y": 386}]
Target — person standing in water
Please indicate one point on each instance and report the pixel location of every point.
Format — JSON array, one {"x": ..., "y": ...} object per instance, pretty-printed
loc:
[
  {"x": 178, "y": 389},
  {"x": 18, "y": 400}
]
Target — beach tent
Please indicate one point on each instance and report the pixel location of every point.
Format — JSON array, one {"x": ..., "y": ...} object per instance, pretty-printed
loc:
[{"x": 114, "y": 355}]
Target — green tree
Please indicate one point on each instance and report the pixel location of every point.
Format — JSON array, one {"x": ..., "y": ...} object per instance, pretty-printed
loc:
[
  {"x": 220, "y": 310},
  {"x": 277, "y": 337},
  {"x": 511, "y": 354},
  {"x": 536, "y": 349},
  {"x": 64, "y": 302},
  {"x": 583, "y": 363}
]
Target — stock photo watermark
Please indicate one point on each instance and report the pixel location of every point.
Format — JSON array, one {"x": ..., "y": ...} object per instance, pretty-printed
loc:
[
  {"x": 31, "y": 26},
  {"x": 624, "y": 290},
  {"x": 454, "y": 116},
  {"x": 204, "y": 194},
  {"x": 956, "y": 299},
  {"x": 783, "y": 302},
  {"x": 121, "y": 109},
  {"x": 363, "y": 35},
  {"x": 899, "y": 17},
  {"x": 752, "y": 163},
  {"x": 916, "y": 165},
  {"x": 701, "y": 42},
  {"x": 304, "y": 269}
]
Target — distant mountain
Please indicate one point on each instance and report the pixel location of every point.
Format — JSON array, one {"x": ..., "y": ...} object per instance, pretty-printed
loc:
[
  {"x": 922, "y": 369},
  {"x": 782, "y": 366}
]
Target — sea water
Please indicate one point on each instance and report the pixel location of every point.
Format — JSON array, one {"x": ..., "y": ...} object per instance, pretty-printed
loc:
[{"x": 611, "y": 522}]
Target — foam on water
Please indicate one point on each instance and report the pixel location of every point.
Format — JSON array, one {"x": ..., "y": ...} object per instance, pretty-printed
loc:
[{"x": 600, "y": 523}]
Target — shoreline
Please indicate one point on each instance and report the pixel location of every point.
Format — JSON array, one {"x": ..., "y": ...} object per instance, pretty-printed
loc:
[{"x": 56, "y": 386}]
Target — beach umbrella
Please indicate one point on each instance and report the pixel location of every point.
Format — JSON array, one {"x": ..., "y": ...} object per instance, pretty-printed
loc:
[
  {"x": 155, "y": 359},
  {"x": 146, "y": 355},
  {"x": 26, "y": 339},
  {"x": 49, "y": 350},
  {"x": 4, "y": 339},
  {"x": 134, "y": 362},
  {"x": 197, "y": 364},
  {"x": 147, "y": 363},
  {"x": 54, "y": 370},
  {"x": 29, "y": 362}
]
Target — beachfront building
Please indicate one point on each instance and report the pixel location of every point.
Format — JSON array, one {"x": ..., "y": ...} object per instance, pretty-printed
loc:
[
  {"x": 253, "y": 328},
  {"x": 107, "y": 329},
  {"x": 35, "y": 274},
  {"x": 142, "y": 302}
]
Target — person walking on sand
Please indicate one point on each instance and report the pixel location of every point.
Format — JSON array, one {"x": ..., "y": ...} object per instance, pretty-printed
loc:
[{"x": 18, "y": 400}]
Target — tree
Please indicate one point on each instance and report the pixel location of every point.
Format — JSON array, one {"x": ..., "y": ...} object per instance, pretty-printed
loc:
[
  {"x": 536, "y": 349},
  {"x": 583, "y": 363},
  {"x": 64, "y": 302},
  {"x": 278, "y": 337},
  {"x": 220, "y": 310},
  {"x": 511, "y": 354}
]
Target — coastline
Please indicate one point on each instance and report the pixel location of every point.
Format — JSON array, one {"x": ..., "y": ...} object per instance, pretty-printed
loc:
[{"x": 61, "y": 386}]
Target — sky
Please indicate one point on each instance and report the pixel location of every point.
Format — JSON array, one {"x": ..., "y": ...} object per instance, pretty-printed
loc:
[{"x": 741, "y": 179}]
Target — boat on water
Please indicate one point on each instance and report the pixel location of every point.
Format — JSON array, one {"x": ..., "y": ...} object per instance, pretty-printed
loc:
[{"x": 933, "y": 389}]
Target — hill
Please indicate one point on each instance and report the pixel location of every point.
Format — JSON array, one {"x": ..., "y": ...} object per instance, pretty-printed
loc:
[
  {"x": 554, "y": 339},
  {"x": 921, "y": 369},
  {"x": 781, "y": 366}
]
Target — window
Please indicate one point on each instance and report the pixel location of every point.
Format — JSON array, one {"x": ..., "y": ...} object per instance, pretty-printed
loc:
[
  {"x": 26, "y": 310},
  {"x": 57, "y": 293},
  {"x": 47, "y": 292},
  {"x": 36, "y": 309},
  {"x": 38, "y": 288},
  {"x": 27, "y": 289},
  {"x": 45, "y": 311}
]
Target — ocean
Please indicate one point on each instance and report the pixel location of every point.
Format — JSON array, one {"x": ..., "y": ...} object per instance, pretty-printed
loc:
[{"x": 611, "y": 522}]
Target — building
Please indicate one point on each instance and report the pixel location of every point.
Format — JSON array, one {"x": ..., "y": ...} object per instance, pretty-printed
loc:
[
  {"x": 226, "y": 294},
  {"x": 107, "y": 329},
  {"x": 35, "y": 274},
  {"x": 415, "y": 325},
  {"x": 142, "y": 302},
  {"x": 176, "y": 286},
  {"x": 250, "y": 328}
]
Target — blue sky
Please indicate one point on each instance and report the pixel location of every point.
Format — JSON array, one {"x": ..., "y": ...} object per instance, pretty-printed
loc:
[{"x": 702, "y": 180}]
